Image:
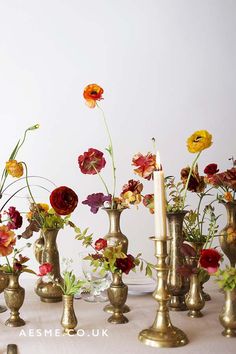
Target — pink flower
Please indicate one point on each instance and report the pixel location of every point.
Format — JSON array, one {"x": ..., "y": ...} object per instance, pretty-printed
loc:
[{"x": 44, "y": 269}]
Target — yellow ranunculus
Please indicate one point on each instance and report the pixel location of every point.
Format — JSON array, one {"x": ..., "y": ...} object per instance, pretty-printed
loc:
[
  {"x": 199, "y": 141},
  {"x": 14, "y": 168},
  {"x": 44, "y": 206}
]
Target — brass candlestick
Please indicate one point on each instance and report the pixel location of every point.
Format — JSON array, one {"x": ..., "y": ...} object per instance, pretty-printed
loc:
[{"x": 162, "y": 334}]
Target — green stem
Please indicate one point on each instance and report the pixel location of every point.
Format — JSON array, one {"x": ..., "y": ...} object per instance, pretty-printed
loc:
[
  {"x": 190, "y": 173},
  {"x": 111, "y": 150},
  {"x": 100, "y": 176},
  {"x": 9, "y": 266}
]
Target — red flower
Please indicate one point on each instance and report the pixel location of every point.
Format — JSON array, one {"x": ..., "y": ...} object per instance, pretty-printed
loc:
[
  {"x": 224, "y": 179},
  {"x": 146, "y": 165},
  {"x": 63, "y": 200},
  {"x": 211, "y": 169},
  {"x": 209, "y": 260},
  {"x": 91, "y": 162},
  {"x": 17, "y": 267},
  {"x": 15, "y": 218},
  {"x": 196, "y": 182},
  {"x": 125, "y": 264},
  {"x": 100, "y": 244},
  {"x": 44, "y": 269}
]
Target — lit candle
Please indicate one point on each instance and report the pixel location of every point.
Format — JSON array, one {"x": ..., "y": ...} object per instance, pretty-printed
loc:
[{"x": 159, "y": 201}]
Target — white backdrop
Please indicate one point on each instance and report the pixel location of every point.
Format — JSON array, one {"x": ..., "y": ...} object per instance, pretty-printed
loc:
[{"x": 167, "y": 69}]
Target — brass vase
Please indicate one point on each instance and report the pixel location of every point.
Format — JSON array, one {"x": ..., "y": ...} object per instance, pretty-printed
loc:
[
  {"x": 228, "y": 234},
  {"x": 4, "y": 280},
  {"x": 38, "y": 247},
  {"x": 47, "y": 290},
  {"x": 117, "y": 294},
  {"x": 194, "y": 299},
  {"x": 68, "y": 320},
  {"x": 14, "y": 296},
  {"x": 228, "y": 315},
  {"x": 178, "y": 286},
  {"x": 115, "y": 237}
]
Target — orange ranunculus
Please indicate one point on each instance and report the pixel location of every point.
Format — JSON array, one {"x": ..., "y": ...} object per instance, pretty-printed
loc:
[
  {"x": 7, "y": 241},
  {"x": 92, "y": 93},
  {"x": 228, "y": 197},
  {"x": 14, "y": 168}
]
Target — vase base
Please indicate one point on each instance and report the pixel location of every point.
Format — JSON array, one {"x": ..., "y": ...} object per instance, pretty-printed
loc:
[
  {"x": 121, "y": 319},
  {"x": 3, "y": 309},
  {"x": 180, "y": 308},
  {"x": 15, "y": 323},
  {"x": 69, "y": 332},
  {"x": 195, "y": 314},
  {"x": 110, "y": 309},
  {"x": 172, "y": 337},
  {"x": 229, "y": 333},
  {"x": 51, "y": 300}
]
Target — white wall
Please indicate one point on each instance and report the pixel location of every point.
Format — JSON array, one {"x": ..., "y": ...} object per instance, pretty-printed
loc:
[{"x": 167, "y": 69}]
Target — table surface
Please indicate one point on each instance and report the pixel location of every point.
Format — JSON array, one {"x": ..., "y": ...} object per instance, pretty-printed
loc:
[{"x": 42, "y": 331}]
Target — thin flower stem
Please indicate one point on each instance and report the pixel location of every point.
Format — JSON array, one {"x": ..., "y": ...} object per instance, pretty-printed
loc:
[
  {"x": 100, "y": 176},
  {"x": 189, "y": 176},
  {"x": 111, "y": 150},
  {"x": 8, "y": 263},
  {"x": 20, "y": 179}
]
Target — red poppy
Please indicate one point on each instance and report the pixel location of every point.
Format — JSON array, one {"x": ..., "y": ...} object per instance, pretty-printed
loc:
[
  {"x": 15, "y": 218},
  {"x": 211, "y": 169},
  {"x": 146, "y": 165},
  {"x": 44, "y": 269},
  {"x": 209, "y": 260},
  {"x": 91, "y": 162},
  {"x": 100, "y": 244},
  {"x": 63, "y": 200},
  {"x": 93, "y": 92},
  {"x": 125, "y": 264}
]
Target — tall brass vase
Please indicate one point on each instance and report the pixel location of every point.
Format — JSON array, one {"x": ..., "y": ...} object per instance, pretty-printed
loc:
[
  {"x": 178, "y": 286},
  {"x": 68, "y": 320},
  {"x": 115, "y": 237},
  {"x": 4, "y": 280},
  {"x": 38, "y": 247},
  {"x": 228, "y": 315},
  {"x": 194, "y": 299},
  {"x": 14, "y": 296},
  {"x": 228, "y": 234},
  {"x": 117, "y": 294},
  {"x": 47, "y": 290}
]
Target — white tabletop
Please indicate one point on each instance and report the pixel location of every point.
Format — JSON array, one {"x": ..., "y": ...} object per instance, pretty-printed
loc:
[{"x": 204, "y": 333}]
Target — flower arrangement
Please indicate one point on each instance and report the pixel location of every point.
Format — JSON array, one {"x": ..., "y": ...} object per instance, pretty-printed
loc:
[
  {"x": 18, "y": 262},
  {"x": 224, "y": 182},
  {"x": 226, "y": 278},
  {"x": 93, "y": 161}
]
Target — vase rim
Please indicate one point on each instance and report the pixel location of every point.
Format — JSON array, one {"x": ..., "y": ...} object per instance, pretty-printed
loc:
[
  {"x": 110, "y": 209},
  {"x": 177, "y": 212}
]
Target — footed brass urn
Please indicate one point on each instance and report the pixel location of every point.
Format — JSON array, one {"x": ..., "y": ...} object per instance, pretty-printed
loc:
[
  {"x": 14, "y": 296},
  {"x": 228, "y": 234},
  {"x": 68, "y": 320},
  {"x": 194, "y": 299},
  {"x": 228, "y": 315},
  {"x": 117, "y": 294}
]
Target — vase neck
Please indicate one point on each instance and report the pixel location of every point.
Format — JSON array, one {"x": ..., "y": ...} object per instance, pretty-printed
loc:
[
  {"x": 231, "y": 213},
  {"x": 68, "y": 299},
  {"x": 114, "y": 220},
  {"x": 117, "y": 279},
  {"x": 13, "y": 280},
  {"x": 50, "y": 237},
  {"x": 175, "y": 223}
]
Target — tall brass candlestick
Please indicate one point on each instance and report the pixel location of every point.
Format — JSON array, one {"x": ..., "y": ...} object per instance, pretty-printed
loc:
[{"x": 162, "y": 333}]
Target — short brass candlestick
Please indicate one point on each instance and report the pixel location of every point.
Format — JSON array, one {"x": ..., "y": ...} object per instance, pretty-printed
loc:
[{"x": 162, "y": 334}]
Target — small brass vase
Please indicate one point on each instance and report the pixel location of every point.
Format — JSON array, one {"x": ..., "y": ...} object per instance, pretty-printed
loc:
[
  {"x": 115, "y": 237},
  {"x": 117, "y": 294},
  {"x": 38, "y": 247},
  {"x": 228, "y": 234},
  {"x": 68, "y": 319},
  {"x": 194, "y": 299},
  {"x": 47, "y": 290},
  {"x": 4, "y": 280},
  {"x": 178, "y": 286},
  {"x": 14, "y": 296},
  {"x": 162, "y": 334},
  {"x": 228, "y": 315}
]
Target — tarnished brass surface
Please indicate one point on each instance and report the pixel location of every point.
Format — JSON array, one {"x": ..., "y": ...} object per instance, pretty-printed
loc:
[
  {"x": 114, "y": 235},
  {"x": 194, "y": 299},
  {"x": 228, "y": 315},
  {"x": 117, "y": 294},
  {"x": 68, "y": 320},
  {"x": 228, "y": 234},
  {"x": 162, "y": 334},
  {"x": 4, "y": 280},
  {"x": 47, "y": 290},
  {"x": 38, "y": 247},
  {"x": 14, "y": 296},
  {"x": 178, "y": 286}
]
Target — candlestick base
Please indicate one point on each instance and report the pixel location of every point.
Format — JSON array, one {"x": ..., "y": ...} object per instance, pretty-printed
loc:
[
  {"x": 162, "y": 334},
  {"x": 170, "y": 338}
]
